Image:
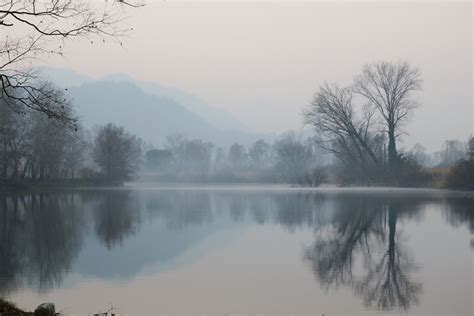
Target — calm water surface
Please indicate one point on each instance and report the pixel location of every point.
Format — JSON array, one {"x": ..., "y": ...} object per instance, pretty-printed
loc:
[{"x": 239, "y": 250}]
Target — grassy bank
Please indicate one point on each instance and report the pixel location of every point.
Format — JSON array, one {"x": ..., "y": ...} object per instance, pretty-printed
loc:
[{"x": 10, "y": 309}]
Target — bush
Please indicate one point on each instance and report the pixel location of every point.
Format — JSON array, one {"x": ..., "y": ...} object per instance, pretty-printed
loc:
[
  {"x": 410, "y": 173},
  {"x": 461, "y": 175},
  {"x": 315, "y": 177}
]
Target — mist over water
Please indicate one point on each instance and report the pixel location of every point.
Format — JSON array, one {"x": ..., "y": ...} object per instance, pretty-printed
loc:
[
  {"x": 236, "y": 158},
  {"x": 236, "y": 249}
]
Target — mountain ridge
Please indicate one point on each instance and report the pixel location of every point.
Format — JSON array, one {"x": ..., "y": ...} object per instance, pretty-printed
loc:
[
  {"x": 152, "y": 117},
  {"x": 217, "y": 117}
]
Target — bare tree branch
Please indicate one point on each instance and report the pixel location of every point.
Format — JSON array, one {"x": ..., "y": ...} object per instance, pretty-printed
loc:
[
  {"x": 30, "y": 30},
  {"x": 388, "y": 87}
]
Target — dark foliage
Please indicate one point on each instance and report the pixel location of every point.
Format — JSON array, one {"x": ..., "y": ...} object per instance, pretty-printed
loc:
[
  {"x": 10, "y": 309},
  {"x": 461, "y": 176},
  {"x": 409, "y": 173}
]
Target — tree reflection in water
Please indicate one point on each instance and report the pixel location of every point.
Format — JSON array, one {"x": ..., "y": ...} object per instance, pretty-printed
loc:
[
  {"x": 362, "y": 248},
  {"x": 461, "y": 213},
  {"x": 116, "y": 217},
  {"x": 39, "y": 238},
  {"x": 358, "y": 238}
]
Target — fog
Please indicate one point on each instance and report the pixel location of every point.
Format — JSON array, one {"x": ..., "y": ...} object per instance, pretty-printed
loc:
[
  {"x": 268, "y": 157},
  {"x": 263, "y": 61}
]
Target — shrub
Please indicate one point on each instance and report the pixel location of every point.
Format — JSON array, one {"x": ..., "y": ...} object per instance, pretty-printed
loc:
[
  {"x": 410, "y": 173},
  {"x": 315, "y": 177},
  {"x": 461, "y": 175}
]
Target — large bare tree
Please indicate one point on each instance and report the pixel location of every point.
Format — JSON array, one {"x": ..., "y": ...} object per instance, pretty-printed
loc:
[
  {"x": 341, "y": 131},
  {"x": 32, "y": 29},
  {"x": 388, "y": 87}
]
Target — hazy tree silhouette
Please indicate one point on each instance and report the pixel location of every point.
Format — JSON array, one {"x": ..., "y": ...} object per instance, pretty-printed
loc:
[
  {"x": 117, "y": 152},
  {"x": 388, "y": 86}
]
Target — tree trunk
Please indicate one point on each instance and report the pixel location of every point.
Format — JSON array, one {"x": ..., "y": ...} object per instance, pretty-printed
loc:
[{"x": 392, "y": 147}]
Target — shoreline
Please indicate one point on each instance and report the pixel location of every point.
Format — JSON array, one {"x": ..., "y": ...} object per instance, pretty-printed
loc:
[{"x": 245, "y": 187}]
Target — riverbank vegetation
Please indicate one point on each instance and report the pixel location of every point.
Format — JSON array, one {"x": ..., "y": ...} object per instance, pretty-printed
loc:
[
  {"x": 355, "y": 142},
  {"x": 357, "y": 126},
  {"x": 39, "y": 150},
  {"x": 297, "y": 160},
  {"x": 10, "y": 309},
  {"x": 360, "y": 125}
]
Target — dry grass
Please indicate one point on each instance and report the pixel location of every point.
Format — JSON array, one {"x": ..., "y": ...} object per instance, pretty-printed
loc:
[{"x": 438, "y": 174}]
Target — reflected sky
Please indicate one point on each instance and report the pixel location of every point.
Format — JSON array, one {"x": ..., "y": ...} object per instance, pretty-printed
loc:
[{"x": 275, "y": 251}]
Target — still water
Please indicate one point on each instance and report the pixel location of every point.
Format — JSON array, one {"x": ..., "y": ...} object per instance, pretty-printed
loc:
[{"x": 239, "y": 250}]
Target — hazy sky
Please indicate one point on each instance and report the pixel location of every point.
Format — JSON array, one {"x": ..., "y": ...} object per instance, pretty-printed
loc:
[{"x": 263, "y": 61}]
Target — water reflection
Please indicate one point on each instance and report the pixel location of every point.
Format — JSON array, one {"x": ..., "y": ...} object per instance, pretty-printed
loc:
[
  {"x": 461, "y": 213},
  {"x": 116, "y": 216},
  {"x": 364, "y": 232},
  {"x": 359, "y": 240},
  {"x": 40, "y": 235}
]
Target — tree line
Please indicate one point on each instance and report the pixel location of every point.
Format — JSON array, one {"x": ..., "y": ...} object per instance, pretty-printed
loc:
[
  {"x": 355, "y": 142},
  {"x": 360, "y": 125},
  {"x": 297, "y": 160},
  {"x": 35, "y": 148},
  {"x": 291, "y": 159}
]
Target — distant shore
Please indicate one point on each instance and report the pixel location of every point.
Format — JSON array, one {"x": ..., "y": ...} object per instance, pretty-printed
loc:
[
  {"x": 14, "y": 186},
  {"x": 324, "y": 189}
]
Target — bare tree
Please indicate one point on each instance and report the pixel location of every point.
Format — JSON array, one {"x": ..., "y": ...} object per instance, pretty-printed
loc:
[
  {"x": 197, "y": 156},
  {"x": 31, "y": 29},
  {"x": 237, "y": 156},
  {"x": 388, "y": 87},
  {"x": 13, "y": 129},
  {"x": 332, "y": 114},
  {"x": 470, "y": 145},
  {"x": 293, "y": 158},
  {"x": 418, "y": 154},
  {"x": 260, "y": 154},
  {"x": 190, "y": 157},
  {"x": 48, "y": 140},
  {"x": 451, "y": 153},
  {"x": 117, "y": 152},
  {"x": 33, "y": 146},
  {"x": 176, "y": 143},
  {"x": 341, "y": 131},
  {"x": 74, "y": 154}
]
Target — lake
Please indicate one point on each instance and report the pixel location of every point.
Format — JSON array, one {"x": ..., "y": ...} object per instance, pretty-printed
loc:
[{"x": 225, "y": 250}]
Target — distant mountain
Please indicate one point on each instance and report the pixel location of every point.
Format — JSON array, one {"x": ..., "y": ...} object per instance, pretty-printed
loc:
[
  {"x": 217, "y": 117},
  {"x": 149, "y": 116},
  {"x": 65, "y": 77}
]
